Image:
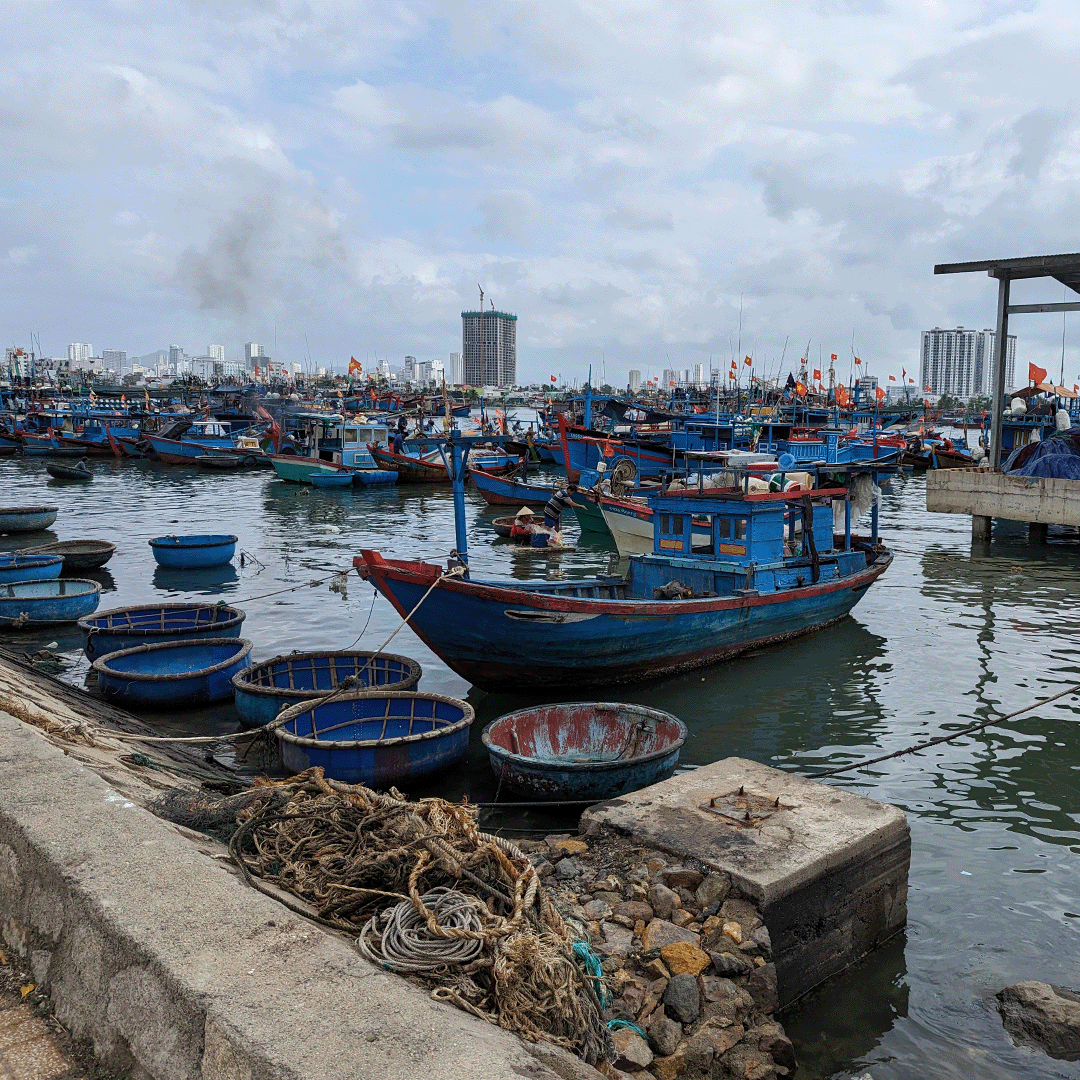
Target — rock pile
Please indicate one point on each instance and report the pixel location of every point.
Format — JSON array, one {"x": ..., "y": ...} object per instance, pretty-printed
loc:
[{"x": 685, "y": 959}]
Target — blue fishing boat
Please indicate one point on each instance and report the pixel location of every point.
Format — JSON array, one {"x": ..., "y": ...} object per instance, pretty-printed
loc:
[
  {"x": 318, "y": 443},
  {"x": 264, "y": 690},
  {"x": 508, "y": 490},
  {"x": 377, "y": 739},
  {"x": 53, "y": 600},
  {"x": 148, "y": 624},
  {"x": 186, "y": 440},
  {"x": 173, "y": 673},
  {"x": 771, "y": 570},
  {"x": 195, "y": 551},
  {"x": 14, "y": 519},
  {"x": 587, "y": 750},
  {"x": 21, "y": 567}
]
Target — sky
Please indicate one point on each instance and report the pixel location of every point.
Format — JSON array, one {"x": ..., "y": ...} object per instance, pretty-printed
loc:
[{"x": 645, "y": 184}]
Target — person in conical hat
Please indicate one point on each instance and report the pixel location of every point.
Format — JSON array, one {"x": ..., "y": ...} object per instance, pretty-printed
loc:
[{"x": 524, "y": 512}]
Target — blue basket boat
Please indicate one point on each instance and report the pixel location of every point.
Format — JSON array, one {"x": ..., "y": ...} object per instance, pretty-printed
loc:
[
  {"x": 29, "y": 568},
  {"x": 149, "y": 624},
  {"x": 586, "y": 750},
  {"x": 53, "y": 600},
  {"x": 15, "y": 519},
  {"x": 197, "y": 671},
  {"x": 325, "y": 478},
  {"x": 377, "y": 739},
  {"x": 195, "y": 551},
  {"x": 264, "y": 690}
]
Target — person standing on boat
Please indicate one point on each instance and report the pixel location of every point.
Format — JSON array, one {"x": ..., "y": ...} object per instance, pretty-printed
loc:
[
  {"x": 559, "y": 501},
  {"x": 399, "y": 435}
]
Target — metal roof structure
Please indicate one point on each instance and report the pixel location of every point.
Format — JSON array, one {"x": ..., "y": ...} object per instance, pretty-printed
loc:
[{"x": 1063, "y": 268}]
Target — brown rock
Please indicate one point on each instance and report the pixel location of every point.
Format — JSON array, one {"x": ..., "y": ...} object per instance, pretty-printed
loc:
[
  {"x": 665, "y": 1035},
  {"x": 732, "y": 1009},
  {"x": 679, "y": 877},
  {"x": 663, "y": 900},
  {"x": 632, "y": 1051},
  {"x": 668, "y": 1068},
  {"x": 715, "y": 989},
  {"x": 655, "y": 969},
  {"x": 660, "y": 932},
  {"x": 655, "y": 863},
  {"x": 749, "y": 1063},
  {"x": 681, "y": 917},
  {"x": 1042, "y": 1015},
  {"x": 713, "y": 890},
  {"x": 728, "y": 962},
  {"x": 772, "y": 1040},
  {"x": 710, "y": 1042},
  {"x": 710, "y": 931},
  {"x": 618, "y": 940},
  {"x": 762, "y": 987},
  {"x": 633, "y": 909},
  {"x": 597, "y": 910},
  {"x": 639, "y": 928},
  {"x": 573, "y": 847},
  {"x": 611, "y": 898},
  {"x": 622, "y": 920},
  {"x": 741, "y": 911},
  {"x": 682, "y": 958},
  {"x": 734, "y": 931}
]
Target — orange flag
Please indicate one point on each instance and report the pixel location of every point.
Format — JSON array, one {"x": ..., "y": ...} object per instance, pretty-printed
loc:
[
  {"x": 800, "y": 389},
  {"x": 747, "y": 361},
  {"x": 857, "y": 360},
  {"x": 355, "y": 367},
  {"x": 1036, "y": 374},
  {"x": 880, "y": 394},
  {"x": 892, "y": 378},
  {"x": 832, "y": 356},
  {"x": 817, "y": 374}
]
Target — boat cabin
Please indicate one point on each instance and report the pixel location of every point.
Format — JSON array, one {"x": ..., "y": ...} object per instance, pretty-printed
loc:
[{"x": 331, "y": 438}]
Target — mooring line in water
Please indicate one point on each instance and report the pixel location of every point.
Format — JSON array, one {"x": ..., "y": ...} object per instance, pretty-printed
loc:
[{"x": 944, "y": 738}]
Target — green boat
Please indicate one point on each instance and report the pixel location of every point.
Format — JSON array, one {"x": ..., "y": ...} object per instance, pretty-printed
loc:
[{"x": 318, "y": 442}]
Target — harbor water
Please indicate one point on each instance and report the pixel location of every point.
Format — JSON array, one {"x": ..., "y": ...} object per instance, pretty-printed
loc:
[{"x": 950, "y": 636}]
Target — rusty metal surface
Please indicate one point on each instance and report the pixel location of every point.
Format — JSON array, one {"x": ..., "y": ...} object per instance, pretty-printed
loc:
[{"x": 742, "y": 807}]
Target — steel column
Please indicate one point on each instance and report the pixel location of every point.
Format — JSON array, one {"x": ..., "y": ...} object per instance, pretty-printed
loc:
[{"x": 1001, "y": 350}]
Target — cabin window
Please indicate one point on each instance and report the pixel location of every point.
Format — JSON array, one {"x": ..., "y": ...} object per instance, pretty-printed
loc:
[
  {"x": 740, "y": 528},
  {"x": 723, "y": 528},
  {"x": 350, "y": 435}
]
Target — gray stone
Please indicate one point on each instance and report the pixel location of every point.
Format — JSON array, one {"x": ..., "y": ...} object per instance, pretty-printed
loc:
[
  {"x": 618, "y": 940},
  {"x": 729, "y": 963},
  {"x": 1039, "y": 1014},
  {"x": 687, "y": 897},
  {"x": 597, "y": 909},
  {"x": 715, "y": 989},
  {"x": 713, "y": 890},
  {"x": 611, "y": 898},
  {"x": 543, "y": 868},
  {"x": 733, "y": 1009},
  {"x": 631, "y": 1050},
  {"x": 566, "y": 869},
  {"x": 682, "y": 999},
  {"x": 762, "y": 987},
  {"x": 659, "y": 933},
  {"x": 772, "y": 1041},
  {"x": 664, "y": 1035},
  {"x": 663, "y": 900},
  {"x": 742, "y": 912},
  {"x": 681, "y": 877}
]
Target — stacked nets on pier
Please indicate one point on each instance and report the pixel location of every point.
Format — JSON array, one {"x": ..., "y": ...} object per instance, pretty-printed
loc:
[
  {"x": 1057, "y": 456},
  {"x": 424, "y": 892}
]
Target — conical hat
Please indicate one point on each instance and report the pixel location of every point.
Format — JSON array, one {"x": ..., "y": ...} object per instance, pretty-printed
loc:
[{"x": 524, "y": 512}]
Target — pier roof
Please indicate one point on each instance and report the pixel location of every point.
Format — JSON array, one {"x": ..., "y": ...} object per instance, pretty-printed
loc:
[{"x": 1065, "y": 268}]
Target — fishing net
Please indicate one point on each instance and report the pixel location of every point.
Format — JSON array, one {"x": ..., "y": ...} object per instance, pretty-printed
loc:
[{"x": 423, "y": 891}]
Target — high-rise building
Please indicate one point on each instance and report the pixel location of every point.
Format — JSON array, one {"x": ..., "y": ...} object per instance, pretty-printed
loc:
[
  {"x": 408, "y": 372},
  {"x": 960, "y": 362},
  {"x": 113, "y": 359},
  {"x": 454, "y": 373},
  {"x": 489, "y": 348},
  {"x": 79, "y": 352},
  {"x": 634, "y": 380},
  {"x": 699, "y": 375},
  {"x": 216, "y": 353},
  {"x": 253, "y": 353},
  {"x": 670, "y": 379}
]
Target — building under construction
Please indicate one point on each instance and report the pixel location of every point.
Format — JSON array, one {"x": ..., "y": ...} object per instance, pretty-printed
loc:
[{"x": 489, "y": 348}]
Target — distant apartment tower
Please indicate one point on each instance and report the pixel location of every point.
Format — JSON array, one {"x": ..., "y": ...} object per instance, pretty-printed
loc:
[
  {"x": 699, "y": 375},
  {"x": 455, "y": 374},
  {"x": 253, "y": 353},
  {"x": 113, "y": 359},
  {"x": 408, "y": 372},
  {"x": 79, "y": 352},
  {"x": 489, "y": 348},
  {"x": 960, "y": 362},
  {"x": 634, "y": 381},
  {"x": 216, "y": 353},
  {"x": 670, "y": 378}
]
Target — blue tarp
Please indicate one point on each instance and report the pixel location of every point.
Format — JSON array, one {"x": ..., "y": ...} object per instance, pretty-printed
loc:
[{"x": 1057, "y": 457}]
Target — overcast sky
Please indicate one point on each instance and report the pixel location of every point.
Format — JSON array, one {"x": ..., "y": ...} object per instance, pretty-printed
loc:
[{"x": 338, "y": 176}]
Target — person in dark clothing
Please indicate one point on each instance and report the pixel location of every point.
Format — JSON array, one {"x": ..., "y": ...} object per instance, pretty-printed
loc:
[{"x": 559, "y": 501}]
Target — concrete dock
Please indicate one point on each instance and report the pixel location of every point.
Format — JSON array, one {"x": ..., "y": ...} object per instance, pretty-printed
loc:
[{"x": 827, "y": 869}]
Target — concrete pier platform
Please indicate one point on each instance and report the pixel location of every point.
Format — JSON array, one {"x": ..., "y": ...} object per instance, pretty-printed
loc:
[
  {"x": 173, "y": 969},
  {"x": 827, "y": 868}
]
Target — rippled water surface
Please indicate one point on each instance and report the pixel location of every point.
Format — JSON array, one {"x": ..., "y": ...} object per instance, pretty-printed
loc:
[{"x": 949, "y": 636}]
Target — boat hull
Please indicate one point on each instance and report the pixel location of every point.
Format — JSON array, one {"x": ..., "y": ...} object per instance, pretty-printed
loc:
[
  {"x": 505, "y": 638},
  {"x": 29, "y": 568},
  {"x": 43, "y": 602},
  {"x": 501, "y": 491},
  {"x": 27, "y": 519},
  {"x": 148, "y": 624},
  {"x": 174, "y": 673}
]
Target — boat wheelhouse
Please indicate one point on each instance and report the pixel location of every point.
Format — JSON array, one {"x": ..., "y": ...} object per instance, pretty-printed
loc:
[{"x": 328, "y": 442}]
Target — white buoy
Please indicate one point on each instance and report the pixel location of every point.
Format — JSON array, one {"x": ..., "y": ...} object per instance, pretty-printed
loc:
[
  {"x": 1018, "y": 406},
  {"x": 1062, "y": 420}
]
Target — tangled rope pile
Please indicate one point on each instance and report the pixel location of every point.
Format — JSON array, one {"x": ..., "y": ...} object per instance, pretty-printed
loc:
[{"x": 424, "y": 892}]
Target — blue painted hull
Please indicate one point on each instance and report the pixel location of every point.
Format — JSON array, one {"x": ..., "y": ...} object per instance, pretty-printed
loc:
[
  {"x": 173, "y": 674},
  {"x": 501, "y": 637},
  {"x": 29, "y": 568},
  {"x": 125, "y": 628},
  {"x": 376, "y": 739},
  {"x": 41, "y": 602},
  {"x": 375, "y": 477},
  {"x": 264, "y": 690},
  {"x": 500, "y": 491},
  {"x": 193, "y": 552}
]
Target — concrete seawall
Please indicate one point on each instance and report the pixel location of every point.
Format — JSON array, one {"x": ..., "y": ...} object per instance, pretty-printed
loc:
[{"x": 175, "y": 970}]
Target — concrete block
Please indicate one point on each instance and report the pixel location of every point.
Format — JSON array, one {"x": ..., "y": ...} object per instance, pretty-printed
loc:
[
  {"x": 1046, "y": 500},
  {"x": 828, "y": 869}
]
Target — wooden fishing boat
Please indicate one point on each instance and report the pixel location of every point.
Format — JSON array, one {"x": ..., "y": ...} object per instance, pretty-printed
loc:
[
  {"x": 147, "y": 624},
  {"x": 193, "y": 552},
  {"x": 16, "y": 519},
  {"x": 507, "y": 490},
  {"x": 77, "y": 554},
  {"x": 678, "y": 608},
  {"x": 38, "y": 603},
  {"x": 376, "y": 739},
  {"x": 587, "y": 750},
  {"x": 219, "y": 461},
  {"x": 21, "y": 567},
  {"x": 264, "y": 690},
  {"x": 173, "y": 674},
  {"x": 320, "y": 443},
  {"x": 411, "y": 470},
  {"x": 64, "y": 472}
]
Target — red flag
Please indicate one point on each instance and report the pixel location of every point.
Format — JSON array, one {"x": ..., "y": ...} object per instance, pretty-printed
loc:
[
  {"x": 857, "y": 360},
  {"x": 928, "y": 390},
  {"x": 817, "y": 374},
  {"x": 1075, "y": 388},
  {"x": 912, "y": 381},
  {"x": 355, "y": 367},
  {"x": 880, "y": 394},
  {"x": 1036, "y": 374},
  {"x": 800, "y": 389},
  {"x": 892, "y": 378},
  {"x": 841, "y": 395},
  {"x": 671, "y": 384},
  {"x": 553, "y": 378},
  {"x": 903, "y": 372},
  {"x": 832, "y": 356},
  {"x": 747, "y": 361}
]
